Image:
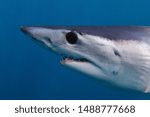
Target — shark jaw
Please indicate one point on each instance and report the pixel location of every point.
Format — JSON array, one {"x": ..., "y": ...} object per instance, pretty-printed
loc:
[{"x": 83, "y": 66}]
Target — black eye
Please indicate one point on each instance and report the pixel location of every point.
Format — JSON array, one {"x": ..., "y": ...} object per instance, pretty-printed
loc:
[{"x": 71, "y": 37}]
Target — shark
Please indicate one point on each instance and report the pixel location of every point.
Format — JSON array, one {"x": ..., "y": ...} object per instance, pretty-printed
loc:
[{"x": 119, "y": 55}]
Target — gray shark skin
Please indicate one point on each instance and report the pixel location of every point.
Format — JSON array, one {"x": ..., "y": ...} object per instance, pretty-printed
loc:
[{"x": 116, "y": 54}]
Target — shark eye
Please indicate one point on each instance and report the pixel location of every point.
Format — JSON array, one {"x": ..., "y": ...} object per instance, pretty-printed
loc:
[{"x": 71, "y": 37}]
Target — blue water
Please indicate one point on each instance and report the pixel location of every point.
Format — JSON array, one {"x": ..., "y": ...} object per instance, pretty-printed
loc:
[{"x": 27, "y": 71}]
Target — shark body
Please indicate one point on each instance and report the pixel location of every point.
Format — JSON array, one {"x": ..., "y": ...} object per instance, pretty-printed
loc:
[{"x": 117, "y": 54}]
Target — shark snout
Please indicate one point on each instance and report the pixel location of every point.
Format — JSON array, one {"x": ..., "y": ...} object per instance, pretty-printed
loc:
[
  {"x": 29, "y": 31},
  {"x": 25, "y": 29},
  {"x": 38, "y": 33},
  {"x": 45, "y": 35}
]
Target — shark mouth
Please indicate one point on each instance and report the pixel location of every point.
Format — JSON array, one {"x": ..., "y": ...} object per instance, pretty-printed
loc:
[
  {"x": 82, "y": 65},
  {"x": 71, "y": 59},
  {"x": 82, "y": 62}
]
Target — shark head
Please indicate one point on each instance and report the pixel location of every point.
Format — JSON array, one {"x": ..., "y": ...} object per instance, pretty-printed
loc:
[
  {"x": 90, "y": 54},
  {"x": 115, "y": 54}
]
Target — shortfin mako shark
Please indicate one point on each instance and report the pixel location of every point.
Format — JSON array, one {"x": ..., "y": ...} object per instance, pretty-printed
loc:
[{"x": 116, "y": 54}]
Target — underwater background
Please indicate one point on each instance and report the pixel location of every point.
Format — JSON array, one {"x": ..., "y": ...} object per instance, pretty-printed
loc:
[{"x": 27, "y": 71}]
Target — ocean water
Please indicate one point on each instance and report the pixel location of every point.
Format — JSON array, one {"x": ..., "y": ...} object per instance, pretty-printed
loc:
[{"x": 27, "y": 71}]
